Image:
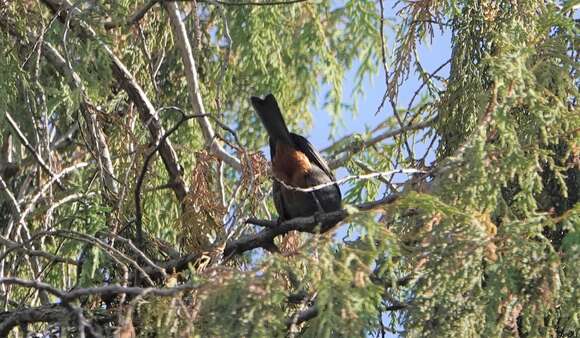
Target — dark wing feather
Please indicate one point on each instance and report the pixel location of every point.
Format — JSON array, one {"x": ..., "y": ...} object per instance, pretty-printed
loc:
[
  {"x": 279, "y": 201},
  {"x": 313, "y": 155}
]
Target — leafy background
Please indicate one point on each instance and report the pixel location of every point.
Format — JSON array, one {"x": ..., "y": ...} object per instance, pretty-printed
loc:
[{"x": 483, "y": 244}]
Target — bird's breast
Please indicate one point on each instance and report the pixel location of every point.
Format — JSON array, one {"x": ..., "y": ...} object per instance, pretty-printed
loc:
[{"x": 291, "y": 165}]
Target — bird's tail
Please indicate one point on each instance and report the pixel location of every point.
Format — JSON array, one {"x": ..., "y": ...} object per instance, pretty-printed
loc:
[{"x": 271, "y": 117}]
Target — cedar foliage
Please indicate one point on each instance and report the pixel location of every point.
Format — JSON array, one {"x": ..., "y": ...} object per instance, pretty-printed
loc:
[{"x": 487, "y": 243}]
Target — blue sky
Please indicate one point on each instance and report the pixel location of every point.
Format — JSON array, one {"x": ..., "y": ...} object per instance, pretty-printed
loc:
[{"x": 432, "y": 56}]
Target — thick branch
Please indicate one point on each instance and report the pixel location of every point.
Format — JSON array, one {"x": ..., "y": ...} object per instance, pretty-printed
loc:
[
  {"x": 264, "y": 238},
  {"x": 47, "y": 314},
  {"x": 303, "y": 224},
  {"x": 58, "y": 312}
]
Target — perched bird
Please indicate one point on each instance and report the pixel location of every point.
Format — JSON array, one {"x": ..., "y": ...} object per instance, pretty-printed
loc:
[{"x": 296, "y": 163}]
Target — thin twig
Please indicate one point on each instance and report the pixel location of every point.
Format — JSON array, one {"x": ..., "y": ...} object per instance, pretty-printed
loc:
[
  {"x": 141, "y": 177},
  {"x": 14, "y": 246},
  {"x": 354, "y": 147},
  {"x": 134, "y": 18},
  {"x": 351, "y": 178},
  {"x": 29, "y": 147},
  {"x": 429, "y": 77}
]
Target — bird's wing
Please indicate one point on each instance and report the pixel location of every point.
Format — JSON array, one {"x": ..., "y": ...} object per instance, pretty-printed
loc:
[
  {"x": 279, "y": 201},
  {"x": 313, "y": 155}
]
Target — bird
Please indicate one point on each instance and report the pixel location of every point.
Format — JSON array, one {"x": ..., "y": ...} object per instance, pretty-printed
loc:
[{"x": 296, "y": 163}]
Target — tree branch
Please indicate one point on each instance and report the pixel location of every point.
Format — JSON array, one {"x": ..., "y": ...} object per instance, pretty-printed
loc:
[
  {"x": 352, "y": 177},
  {"x": 303, "y": 316},
  {"x": 58, "y": 312},
  {"x": 193, "y": 83},
  {"x": 17, "y": 247},
  {"x": 47, "y": 314},
  {"x": 264, "y": 238},
  {"x": 147, "y": 112},
  {"x": 355, "y": 147},
  {"x": 133, "y": 19},
  {"x": 303, "y": 224},
  {"x": 29, "y": 147}
]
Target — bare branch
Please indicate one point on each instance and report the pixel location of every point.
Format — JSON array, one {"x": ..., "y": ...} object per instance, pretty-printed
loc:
[
  {"x": 354, "y": 147},
  {"x": 351, "y": 178},
  {"x": 147, "y": 112},
  {"x": 303, "y": 224},
  {"x": 193, "y": 84},
  {"x": 133, "y": 19},
  {"x": 64, "y": 200},
  {"x": 59, "y": 312},
  {"x": 97, "y": 291},
  {"x": 14, "y": 246},
  {"x": 29, "y": 147},
  {"x": 272, "y": 230},
  {"x": 429, "y": 77},
  {"x": 47, "y": 185},
  {"x": 46, "y": 314}
]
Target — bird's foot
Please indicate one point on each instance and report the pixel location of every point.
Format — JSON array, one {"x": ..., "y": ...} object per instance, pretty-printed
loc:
[{"x": 318, "y": 218}]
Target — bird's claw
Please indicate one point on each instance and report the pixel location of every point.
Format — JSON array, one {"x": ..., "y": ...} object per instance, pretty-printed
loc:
[{"x": 318, "y": 216}]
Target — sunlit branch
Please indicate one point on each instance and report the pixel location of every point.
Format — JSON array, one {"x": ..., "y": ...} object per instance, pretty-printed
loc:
[
  {"x": 382, "y": 175},
  {"x": 355, "y": 147},
  {"x": 190, "y": 70}
]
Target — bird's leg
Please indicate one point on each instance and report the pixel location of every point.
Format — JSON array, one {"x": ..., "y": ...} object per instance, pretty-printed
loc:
[
  {"x": 269, "y": 245},
  {"x": 318, "y": 213}
]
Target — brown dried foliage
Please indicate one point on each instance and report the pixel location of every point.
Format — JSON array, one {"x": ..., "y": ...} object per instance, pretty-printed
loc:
[
  {"x": 255, "y": 171},
  {"x": 203, "y": 208}
]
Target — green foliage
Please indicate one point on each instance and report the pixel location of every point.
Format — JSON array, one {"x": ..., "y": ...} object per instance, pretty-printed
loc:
[{"x": 487, "y": 244}]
